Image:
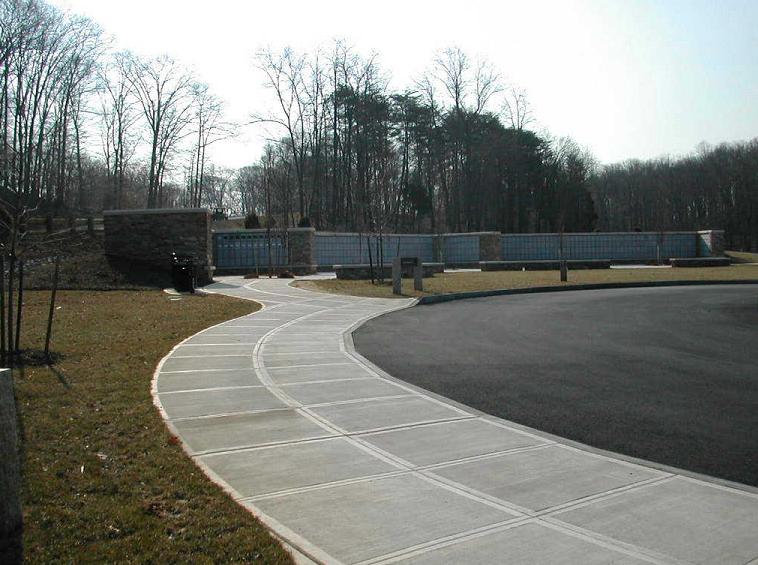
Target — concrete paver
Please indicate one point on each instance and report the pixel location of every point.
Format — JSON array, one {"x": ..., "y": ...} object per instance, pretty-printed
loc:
[
  {"x": 686, "y": 519},
  {"x": 208, "y": 363},
  {"x": 284, "y": 467},
  {"x": 369, "y": 519},
  {"x": 348, "y": 465},
  {"x": 449, "y": 441},
  {"x": 377, "y": 414},
  {"x": 541, "y": 478},
  {"x": 337, "y": 391},
  {"x": 222, "y": 401},
  {"x": 527, "y": 544},
  {"x": 193, "y": 380},
  {"x": 246, "y": 430},
  {"x": 212, "y": 349},
  {"x": 305, "y": 359}
]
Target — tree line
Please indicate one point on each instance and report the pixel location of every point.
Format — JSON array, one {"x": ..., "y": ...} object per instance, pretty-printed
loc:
[
  {"x": 452, "y": 153},
  {"x": 717, "y": 187},
  {"x": 86, "y": 128}
]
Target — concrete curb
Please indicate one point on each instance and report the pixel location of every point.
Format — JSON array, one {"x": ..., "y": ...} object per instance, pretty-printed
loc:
[{"x": 436, "y": 299}]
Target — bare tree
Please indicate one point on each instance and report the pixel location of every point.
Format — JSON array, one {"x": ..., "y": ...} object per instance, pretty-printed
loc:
[
  {"x": 119, "y": 114},
  {"x": 164, "y": 91},
  {"x": 209, "y": 128},
  {"x": 284, "y": 75},
  {"x": 517, "y": 111}
]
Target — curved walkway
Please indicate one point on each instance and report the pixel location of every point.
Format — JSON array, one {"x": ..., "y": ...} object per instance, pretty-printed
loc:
[{"x": 349, "y": 465}]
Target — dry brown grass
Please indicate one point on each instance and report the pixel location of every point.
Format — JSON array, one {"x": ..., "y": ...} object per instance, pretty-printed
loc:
[
  {"x": 104, "y": 481},
  {"x": 470, "y": 281}
]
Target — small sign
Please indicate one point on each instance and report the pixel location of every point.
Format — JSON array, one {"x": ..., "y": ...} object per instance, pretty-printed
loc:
[{"x": 409, "y": 261}]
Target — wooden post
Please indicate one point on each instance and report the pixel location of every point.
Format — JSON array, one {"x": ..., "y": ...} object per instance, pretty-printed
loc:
[
  {"x": 3, "y": 345},
  {"x": 9, "y": 321},
  {"x": 563, "y": 264},
  {"x": 19, "y": 305},
  {"x": 52, "y": 309}
]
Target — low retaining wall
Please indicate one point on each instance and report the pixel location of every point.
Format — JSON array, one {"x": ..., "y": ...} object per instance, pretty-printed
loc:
[
  {"x": 151, "y": 236},
  {"x": 10, "y": 475},
  {"x": 701, "y": 262},
  {"x": 363, "y": 272},
  {"x": 543, "y": 265}
]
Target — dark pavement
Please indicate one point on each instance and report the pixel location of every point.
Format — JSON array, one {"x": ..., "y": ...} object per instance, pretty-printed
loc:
[{"x": 664, "y": 374}]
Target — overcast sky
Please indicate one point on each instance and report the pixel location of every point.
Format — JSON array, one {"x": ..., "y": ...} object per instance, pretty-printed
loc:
[{"x": 626, "y": 78}]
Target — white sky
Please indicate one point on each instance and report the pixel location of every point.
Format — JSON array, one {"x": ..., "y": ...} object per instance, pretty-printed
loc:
[{"x": 626, "y": 78}]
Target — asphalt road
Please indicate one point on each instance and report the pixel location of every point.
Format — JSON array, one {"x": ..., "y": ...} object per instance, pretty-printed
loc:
[{"x": 664, "y": 374}]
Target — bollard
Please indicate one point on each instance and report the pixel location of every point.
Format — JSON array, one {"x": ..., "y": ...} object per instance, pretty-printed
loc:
[
  {"x": 397, "y": 276},
  {"x": 564, "y": 271},
  {"x": 418, "y": 276}
]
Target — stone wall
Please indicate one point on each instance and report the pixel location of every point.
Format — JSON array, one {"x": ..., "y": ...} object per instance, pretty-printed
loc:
[
  {"x": 151, "y": 236},
  {"x": 308, "y": 249},
  {"x": 10, "y": 474}
]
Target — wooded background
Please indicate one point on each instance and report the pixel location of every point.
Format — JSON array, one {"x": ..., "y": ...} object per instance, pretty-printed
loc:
[{"x": 85, "y": 128}]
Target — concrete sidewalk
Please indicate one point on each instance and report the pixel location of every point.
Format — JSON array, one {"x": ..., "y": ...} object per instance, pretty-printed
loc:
[{"x": 351, "y": 466}]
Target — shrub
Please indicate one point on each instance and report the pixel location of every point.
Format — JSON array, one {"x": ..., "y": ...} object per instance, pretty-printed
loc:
[{"x": 252, "y": 222}]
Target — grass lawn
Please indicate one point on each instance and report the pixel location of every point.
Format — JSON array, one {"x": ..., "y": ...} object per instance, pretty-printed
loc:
[
  {"x": 104, "y": 481},
  {"x": 470, "y": 281},
  {"x": 743, "y": 256}
]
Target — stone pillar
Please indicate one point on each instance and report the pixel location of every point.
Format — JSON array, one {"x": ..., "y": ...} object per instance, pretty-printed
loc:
[
  {"x": 302, "y": 250},
  {"x": 10, "y": 475},
  {"x": 490, "y": 246},
  {"x": 438, "y": 248},
  {"x": 710, "y": 243}
]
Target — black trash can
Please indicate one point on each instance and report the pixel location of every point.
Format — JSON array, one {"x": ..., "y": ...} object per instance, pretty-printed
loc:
[{"x": 183, "y": 272}]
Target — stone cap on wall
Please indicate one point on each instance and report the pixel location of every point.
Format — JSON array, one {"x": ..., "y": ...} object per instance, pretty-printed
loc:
[
  {"x": 141, "y": 211},
  {"x": 375, "y": 234},
  {"x": 263, "y": 230},
  {"x": 596, "y": 233}
]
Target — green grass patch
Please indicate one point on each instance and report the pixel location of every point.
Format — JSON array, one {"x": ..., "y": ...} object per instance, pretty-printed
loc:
[
  {"x": 104, "y": 480},
  {"x": 742, "y": 256},
  {"x": 446, "y": 283}
]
